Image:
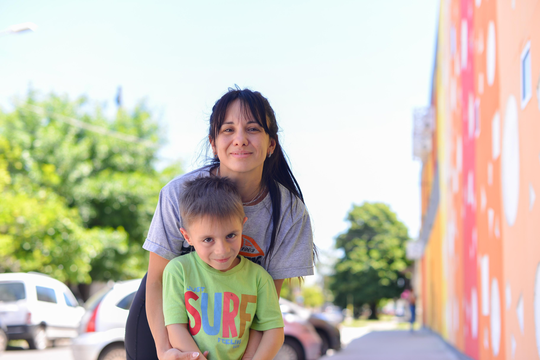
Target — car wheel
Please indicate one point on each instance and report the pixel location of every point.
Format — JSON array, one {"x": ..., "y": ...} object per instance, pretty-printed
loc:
[
  {"x": 291, "y": 350},
  {"x": 3, "y": 341},
  {"x": 325, "y": 341},
  {"x": 113, "y": 352},
  {"x": 39, "y": 340}
]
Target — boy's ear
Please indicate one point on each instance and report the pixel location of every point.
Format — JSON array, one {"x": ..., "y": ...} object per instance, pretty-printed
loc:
[
  {"x": 245, "y": 219},
  {"x": 186, "y": 236}
]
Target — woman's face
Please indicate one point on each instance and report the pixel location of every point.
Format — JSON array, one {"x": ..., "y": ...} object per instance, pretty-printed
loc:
[{"x": 241, "y": 144}]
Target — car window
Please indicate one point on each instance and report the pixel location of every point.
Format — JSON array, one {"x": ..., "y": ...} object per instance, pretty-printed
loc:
[
  {"x": 12, "y": 291},
  {"x": 95, "y": 299},
  {"x": 125, "y": 303},
  {"x": 46, "y": 294},
  {"x": 70, "y": 300}
]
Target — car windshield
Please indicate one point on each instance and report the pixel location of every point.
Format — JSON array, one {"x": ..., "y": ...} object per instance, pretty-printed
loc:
[{"x": 12, "y": 291}]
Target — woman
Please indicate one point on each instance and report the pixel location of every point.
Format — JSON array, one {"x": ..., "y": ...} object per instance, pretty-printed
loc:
[{"x": 277, "y": 235}]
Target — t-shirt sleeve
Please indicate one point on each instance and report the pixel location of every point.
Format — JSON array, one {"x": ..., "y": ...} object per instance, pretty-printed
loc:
[
  {"x": 268, "y": 315},
  {"x": 293, "y": 256},
  {"x": 174, "y": 308},
  {"x": 164, "y": 236}
]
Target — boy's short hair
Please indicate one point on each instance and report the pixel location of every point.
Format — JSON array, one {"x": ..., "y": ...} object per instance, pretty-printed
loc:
[{"x": 211, "y": 196}]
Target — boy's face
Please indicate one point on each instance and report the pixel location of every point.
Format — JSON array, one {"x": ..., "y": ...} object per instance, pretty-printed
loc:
[{"x": 217, "y": 242}]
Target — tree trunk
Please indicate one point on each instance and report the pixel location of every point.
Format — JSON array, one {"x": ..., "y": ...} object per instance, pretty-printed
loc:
[{"x": 373, "y": 308}]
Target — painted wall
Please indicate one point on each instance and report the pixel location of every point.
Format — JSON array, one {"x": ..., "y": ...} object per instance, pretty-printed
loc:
[{"x": 480, "y": 270}]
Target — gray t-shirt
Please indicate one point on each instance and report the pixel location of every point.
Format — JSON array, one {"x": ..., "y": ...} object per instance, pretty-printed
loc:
[{"x": 292, "y": 255}]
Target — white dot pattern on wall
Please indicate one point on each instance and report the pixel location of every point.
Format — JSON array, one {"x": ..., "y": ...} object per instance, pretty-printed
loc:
[
  {"x": 464, "y": 43},
  {"x": 495, "y": 318},
  {"x": 537, "y": 308},
  {"x": 520, "y": 312},
  {"x": 510, "y": 161},
  {"x": 491, "y": 53},
  {"x": 532, "y": 196},
  {"x": 474, "y": 313}
]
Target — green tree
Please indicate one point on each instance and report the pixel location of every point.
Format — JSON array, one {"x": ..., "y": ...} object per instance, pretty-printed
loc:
[
  {"x": 373, "y": 258},
  {"x": 313, "y": 296},
  {"x": 69, "y": 159}
]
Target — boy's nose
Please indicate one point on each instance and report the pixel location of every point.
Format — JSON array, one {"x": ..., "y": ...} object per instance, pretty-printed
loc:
[{"x": 221, "y": 248}]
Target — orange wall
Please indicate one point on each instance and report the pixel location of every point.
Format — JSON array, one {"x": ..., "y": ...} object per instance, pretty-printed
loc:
[{"x": 481, "y": 266}]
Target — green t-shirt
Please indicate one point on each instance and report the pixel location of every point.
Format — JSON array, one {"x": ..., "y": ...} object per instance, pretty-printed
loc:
[{"x": 220, "y": 307}]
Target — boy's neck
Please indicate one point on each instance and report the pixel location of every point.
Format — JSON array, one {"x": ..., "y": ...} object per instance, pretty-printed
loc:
[{"x": 235, "y": 263}]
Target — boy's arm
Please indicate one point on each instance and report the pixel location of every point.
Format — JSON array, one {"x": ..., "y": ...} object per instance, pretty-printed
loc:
[
  {"x": 181, "y": 339},
  {"x": 271, "y": 342}
]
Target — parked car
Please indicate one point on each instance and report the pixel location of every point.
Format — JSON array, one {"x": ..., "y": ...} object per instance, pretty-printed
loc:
[
  {"x": 301, "y": 340},
  {"x": 102, "y": 329},
  {"x": 327, "y": 330},
  {"x": 38, "y": 309},
  {"x": 3, "y": 337}
]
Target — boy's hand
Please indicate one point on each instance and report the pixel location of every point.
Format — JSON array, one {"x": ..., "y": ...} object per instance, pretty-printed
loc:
[{"x": 175, "y": 354}]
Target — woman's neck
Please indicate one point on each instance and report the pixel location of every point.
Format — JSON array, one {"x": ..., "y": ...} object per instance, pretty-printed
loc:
[{"x": 248, "y": 184}]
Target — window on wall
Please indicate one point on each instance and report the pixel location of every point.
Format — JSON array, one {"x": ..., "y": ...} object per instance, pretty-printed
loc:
[{"x": 526, "y": 80}]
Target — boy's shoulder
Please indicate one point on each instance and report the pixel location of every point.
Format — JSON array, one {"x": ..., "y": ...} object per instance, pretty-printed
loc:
[
  {"x": 253, "y": 269},
  {"x": 181, "y": 261}
]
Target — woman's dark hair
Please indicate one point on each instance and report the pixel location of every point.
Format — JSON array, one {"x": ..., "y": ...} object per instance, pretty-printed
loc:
[{"x": 276, "y": 168}]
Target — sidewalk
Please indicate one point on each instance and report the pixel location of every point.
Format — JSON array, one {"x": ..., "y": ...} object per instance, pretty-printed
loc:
[{"x": 382, "y": 344}]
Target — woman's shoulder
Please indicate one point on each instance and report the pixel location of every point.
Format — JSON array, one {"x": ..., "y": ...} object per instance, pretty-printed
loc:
[
  {"x": 174, "y": 186},
  {"x": 292, "y": 203}
]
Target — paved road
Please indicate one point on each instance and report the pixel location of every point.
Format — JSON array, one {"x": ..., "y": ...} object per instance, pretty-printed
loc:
[
  {"x": 59, "y": 353},
  {"x": 56, "y": 353},
  {"x": 394, "y": 345}
]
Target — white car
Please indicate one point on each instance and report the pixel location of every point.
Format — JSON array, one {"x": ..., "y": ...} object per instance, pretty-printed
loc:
[
  {"x": 103, "y": 327},
  {"x": 102, "y": 330},
  {"x": 38, "y": 308}
]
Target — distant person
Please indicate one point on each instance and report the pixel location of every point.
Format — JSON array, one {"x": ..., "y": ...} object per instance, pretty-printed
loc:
[
  {"x": 215, "y": 285},
  {"x": 411, "y": 298},
  {"x": 277, "y": 235}
]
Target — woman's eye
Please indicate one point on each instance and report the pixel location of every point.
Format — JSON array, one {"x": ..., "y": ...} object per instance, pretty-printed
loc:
[{"x": 254, "y": 129}]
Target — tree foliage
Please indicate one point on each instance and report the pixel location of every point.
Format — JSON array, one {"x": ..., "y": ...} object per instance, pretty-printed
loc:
[
  {"x": 373, "y": 258},
  {"x": 78, "y": 189}
]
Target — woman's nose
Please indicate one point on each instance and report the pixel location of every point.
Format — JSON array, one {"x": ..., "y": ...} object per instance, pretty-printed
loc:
[{"x": 241, "y": 138}]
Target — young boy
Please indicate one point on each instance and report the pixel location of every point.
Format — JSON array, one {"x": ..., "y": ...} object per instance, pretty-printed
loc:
[{"x": 212, "y": 297}]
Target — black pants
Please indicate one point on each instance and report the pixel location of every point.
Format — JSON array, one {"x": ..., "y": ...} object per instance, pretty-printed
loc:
[{"x": 139, "y": 342}]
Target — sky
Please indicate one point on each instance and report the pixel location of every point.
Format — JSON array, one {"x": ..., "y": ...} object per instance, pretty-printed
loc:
[{"x": 343, "y": 78}]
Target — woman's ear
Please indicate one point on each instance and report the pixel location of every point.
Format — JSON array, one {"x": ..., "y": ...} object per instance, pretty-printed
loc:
[
  {"x": 212, "y": 144},
  {"x": 272, "y": 146},
  {"x": 185, "y": 235}
]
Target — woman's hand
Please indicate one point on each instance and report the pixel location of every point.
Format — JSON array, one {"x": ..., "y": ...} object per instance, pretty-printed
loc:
[{"x": 175, "y": 354}]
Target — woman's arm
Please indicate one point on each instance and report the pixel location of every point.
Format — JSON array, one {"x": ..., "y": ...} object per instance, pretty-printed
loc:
[
  {"x": 154, "y": 303},
  {"x": 278, "y": 284},
  {"x": 271, "y": 342},
  {"x": 154, "y": 311},
  {"x": 181, "y": 339}
]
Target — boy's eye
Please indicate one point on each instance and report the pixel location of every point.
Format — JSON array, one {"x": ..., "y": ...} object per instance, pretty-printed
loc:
[
  {"x": 231, "y": 236},
  {"x": 207, "y": 240}
]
